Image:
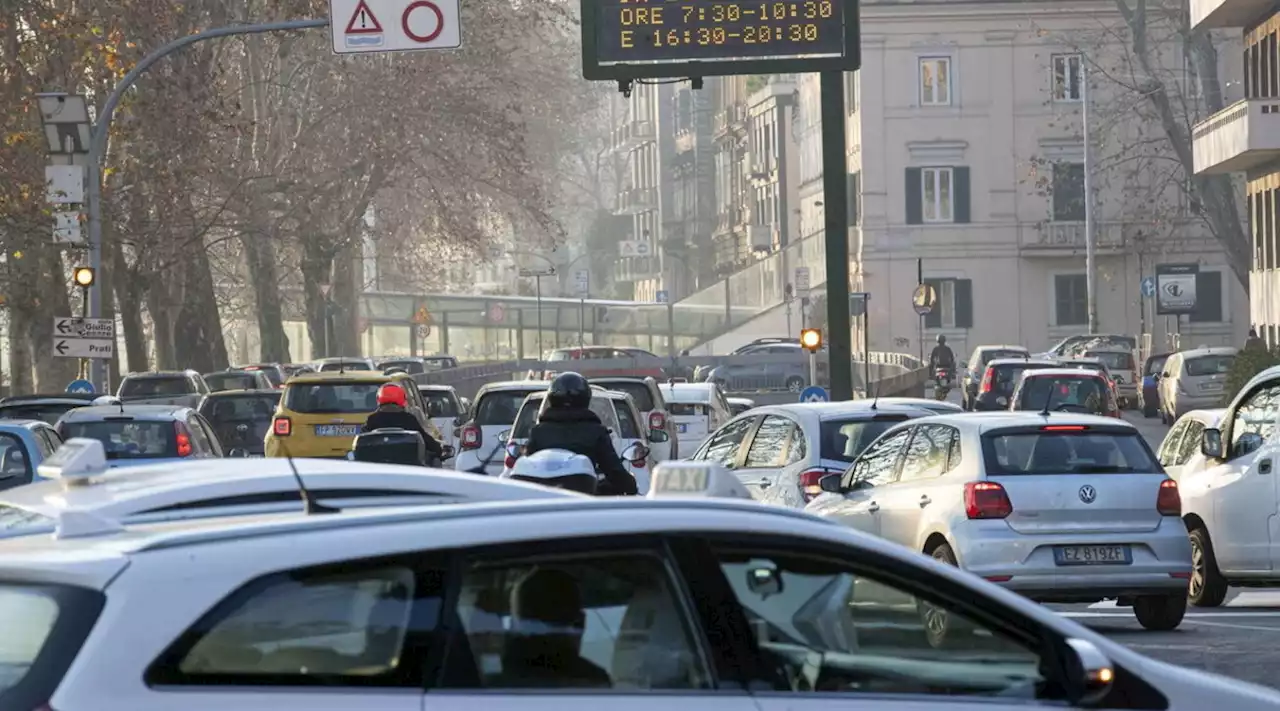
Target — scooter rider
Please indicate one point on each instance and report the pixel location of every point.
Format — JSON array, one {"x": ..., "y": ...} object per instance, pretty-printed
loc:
[
  {"x": 941, "y": 358},
  {"x": 568, "y": 423},
  {"x": 391, "y": 414}
]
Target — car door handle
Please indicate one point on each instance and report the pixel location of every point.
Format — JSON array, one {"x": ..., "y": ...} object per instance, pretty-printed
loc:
[
  {"x": 873, "y": 507},
  {"x": 764, "y": 483},
  {"x": 1264, "y": 466},
  {"x": 925, "y": 500}
]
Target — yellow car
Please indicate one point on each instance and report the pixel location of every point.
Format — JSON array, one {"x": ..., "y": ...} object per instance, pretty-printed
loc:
[{"x": 320, "y": 413}]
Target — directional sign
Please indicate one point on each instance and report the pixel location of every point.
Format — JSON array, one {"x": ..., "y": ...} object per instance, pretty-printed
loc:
[
  {"x": 813, "y": 393},
  {"x": 802, "y": 281},
  {"x": 1148, "y": 287},
  {"x": 662, "y": 296},
  {"x": 80, "y": 386},
  {"x": 83, "y": 348},
  {"x": 924, "y": 299},
  {"x": 582, "y": 282},
  {"x": 84, "y": 328},
  {"x": 362, "y": 26}
]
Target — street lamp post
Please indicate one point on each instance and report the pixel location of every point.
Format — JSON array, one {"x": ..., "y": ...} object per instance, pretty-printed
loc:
[{"x": 537, "y": 275}]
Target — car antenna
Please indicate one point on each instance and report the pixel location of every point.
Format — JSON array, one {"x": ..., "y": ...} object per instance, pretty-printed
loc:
[
  {"x": 876, "y": 397},
  {"x": 309, "y": 504},
  {"x": 1048, "y": 398}
]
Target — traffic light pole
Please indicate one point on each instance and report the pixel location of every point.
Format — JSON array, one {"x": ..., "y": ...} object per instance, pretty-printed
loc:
[{"x": 835, "y": 178}]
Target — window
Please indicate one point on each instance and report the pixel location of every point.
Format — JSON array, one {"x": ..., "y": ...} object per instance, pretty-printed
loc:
[
  {"x": 231, "y": 381},
  {"x": 15, "y": 462},
  {"x": 1255, "y": 419},
  {"x": 1068, "y": 192},
  {"x": 723, "y": 445},
  {"x": 769, "y": 446},
  {"x": 1071, "y": 299},
  {"x": 935, "y": 81},
  {"x": 1068, "y": 77},
  {"x": 926, "y": 455},
  {"x": 1208, "y": 298},
  {"x": 878, "y": 465},
  {"x": 572, "y": 622},
  {"x": 334, "y": 626},
  {"x": 129, "y": 439},
  {"x": 1190, "y": 444},
  {"x": 937, "y": 195},
  {"x": 498, "y": 407},
  {"x": 628, "y": 428},
  {"x": 832, "y": 629},
  {"x": 844, "y": 440},
  {"x": 855, "y": 202},
  {"x": 157, "y": 386},
  {"x": 440, "y": 403},
  {"x": 954, "y": 308},
  {"x": 1171, "y": 446}
]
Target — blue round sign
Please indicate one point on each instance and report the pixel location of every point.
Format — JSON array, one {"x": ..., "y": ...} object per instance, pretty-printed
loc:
[
  {"x": 813, "y": 393},
  {"x": 80, "y": 386}
]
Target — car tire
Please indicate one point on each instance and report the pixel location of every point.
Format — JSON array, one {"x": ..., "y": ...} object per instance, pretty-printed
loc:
[
  {"x": 795, "y": 384},
  {"x": 1207, "y": 588},
  {"x": 938, "y": 623},
  {"x": 1160, "y": 613}
]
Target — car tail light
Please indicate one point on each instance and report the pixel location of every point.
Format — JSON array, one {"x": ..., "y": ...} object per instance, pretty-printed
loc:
[
  {"x": 1169, "y": 501},
  {"x": 988, "y": 380},
  {"x": 986, "y": 499},
  {"x": 657, "y": 420},
  {"x": 471, "y": 437},
  {"x": 513, "y": 453},
  {"x": 1064, "y": 428},
  {"x": 282, "y": 426},
  {"x": 810, "y": 487},
  {"x": 184, "y": 439}
]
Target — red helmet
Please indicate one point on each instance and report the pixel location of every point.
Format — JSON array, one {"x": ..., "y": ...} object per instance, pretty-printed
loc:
[{"x": 392, "y": 394}]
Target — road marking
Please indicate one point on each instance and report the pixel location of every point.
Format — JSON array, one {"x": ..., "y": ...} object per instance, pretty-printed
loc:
[
  {"x": 1091, "y": 615},
  {"x": 1246, "y": 599},
  {"x": 1254, "y": 628}
]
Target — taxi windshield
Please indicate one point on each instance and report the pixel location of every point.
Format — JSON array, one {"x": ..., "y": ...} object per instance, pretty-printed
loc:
[
  {"x": 331, "y": 398},
  {"x": 127, "y": 438}
]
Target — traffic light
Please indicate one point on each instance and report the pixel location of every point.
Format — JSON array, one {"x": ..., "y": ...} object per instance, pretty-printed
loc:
[
  {"x": 83, "y": 277},
  {"x": 811, "y": 339}
]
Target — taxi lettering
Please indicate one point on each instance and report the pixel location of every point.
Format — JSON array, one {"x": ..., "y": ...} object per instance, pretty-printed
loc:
[{"x": 683, "y": 480}]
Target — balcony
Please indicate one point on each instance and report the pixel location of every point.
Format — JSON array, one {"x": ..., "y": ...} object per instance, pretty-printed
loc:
[
  {"x": 1240, "y": 137},
  {"x": 634, "y": 201},
  {"x": 730, "y": 118},
  {"x": 1066, "y": 239},
  {"x": 685, "y": 140},
  {"x": 1227, "y": 13},
  {"x": 635, "y": 268},
  {"x": 631, "y": 135}
]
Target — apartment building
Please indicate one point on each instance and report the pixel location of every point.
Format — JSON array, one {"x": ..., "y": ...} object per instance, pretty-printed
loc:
[
  {"x": 687, "y": 191},
  {"x": 1243, "y": 139},
  {"x": 968, "y": 149},
  {"x": 635, "y": 145}
]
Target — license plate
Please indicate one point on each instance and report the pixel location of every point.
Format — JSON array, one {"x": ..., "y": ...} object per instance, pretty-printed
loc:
[
  {"x": 682, "y": 428},
  {"x": 1092, "y": 555},
  {"x": 1211, "y": 387},
  {"x": 337, "y": 430}
]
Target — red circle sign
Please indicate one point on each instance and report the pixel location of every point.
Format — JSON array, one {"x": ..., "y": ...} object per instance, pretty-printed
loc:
[{"x": 408, "y": 32}]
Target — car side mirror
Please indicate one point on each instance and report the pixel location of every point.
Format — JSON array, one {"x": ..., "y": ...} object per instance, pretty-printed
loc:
[
  {"x": 635, "y": 452},
  {"x": 1090, "y": 673},
  {"x": 447, "y": 452},
  {"x": 459, "y": 421},
  {"x": 831, "y": 484},
  {"x": 658, "y": 436},
  {"x": 238, "y": 453},
  {"x": 1211, "y": 443},
  {"x": 504, "y": 435}
]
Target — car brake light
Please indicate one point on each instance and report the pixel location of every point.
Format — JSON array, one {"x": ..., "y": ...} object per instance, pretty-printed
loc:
[
  {"x": 513, "y": 453},
  {"x": 810, "y": 486},
  {"x": 1169, "y": 501},
  {"x": 282, "y": 426},
  {"x": 986, "y": 499},
  {"x": 471, "y": 437},
  {"x": 1063, "y": 428},
  {"x": 184, "y": 439},
  {"x": 988, "y": 380},
  {"x": 657, "y": 421}
]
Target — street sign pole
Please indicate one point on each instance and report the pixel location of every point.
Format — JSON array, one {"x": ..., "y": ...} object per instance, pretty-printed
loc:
[{"x": 835, "y": 169}]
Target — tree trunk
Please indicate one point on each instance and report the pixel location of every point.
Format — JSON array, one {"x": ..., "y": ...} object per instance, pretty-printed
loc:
[
  {"x": 346, "y": 312},
  {"x": 273, "y": 343},
  {"x": 198, "y": 341},
  {"x": 159, "y": 300},
  {"x": 53, "y": 373},
  {"x": 129, "y": 292},
  {"x": 316, "y": 265}
]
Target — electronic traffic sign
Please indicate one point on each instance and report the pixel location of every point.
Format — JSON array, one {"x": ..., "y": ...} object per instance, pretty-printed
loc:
[{"x": 631, "y": 39}]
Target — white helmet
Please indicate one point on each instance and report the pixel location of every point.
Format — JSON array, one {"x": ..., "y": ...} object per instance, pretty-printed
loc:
[{"x": 106, "y": 400}]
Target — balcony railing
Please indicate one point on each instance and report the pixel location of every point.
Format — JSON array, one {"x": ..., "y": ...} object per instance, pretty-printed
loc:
[
  {"x": 1242, "y": 136},
  {"x": 634, "y": 201},
  {"x": 633, "y": 268},
  {"x": 1068, "y": 238},
  {"x": 632, "y": 135}
]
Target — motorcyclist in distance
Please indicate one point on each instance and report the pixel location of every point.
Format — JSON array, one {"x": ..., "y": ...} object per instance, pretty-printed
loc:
[
  {"x": 568, "y": 423},
  {"x": 942, "y": 358},
  {"x": 392, "y": 414}
]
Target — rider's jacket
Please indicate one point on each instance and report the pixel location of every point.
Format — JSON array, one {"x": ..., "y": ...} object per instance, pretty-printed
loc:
[{"x": 580, "y": 431}]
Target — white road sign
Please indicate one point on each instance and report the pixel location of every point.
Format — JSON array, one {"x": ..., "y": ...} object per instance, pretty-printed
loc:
[
  {"x": 802, "y": 281},
  {"x": 362, "y": 26},
  {"x": 582, "y": 281},
  {"x": 66, "y": 227},
  {"x": 83, "y": 348},
  {"x": 635, "y": 248},
  {"x": 64, "y": 184},
  {"x": 84, "y": 328}
]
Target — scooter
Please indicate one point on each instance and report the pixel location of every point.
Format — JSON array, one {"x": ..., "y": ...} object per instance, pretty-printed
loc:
[
  {"x": 563, "y": 469},
  {"x": 942, "y": 384},
  {"x": 395, "y": 446}
]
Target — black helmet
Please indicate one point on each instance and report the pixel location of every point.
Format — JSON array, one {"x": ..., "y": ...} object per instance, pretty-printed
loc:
[{"x": 569, "y": 390}]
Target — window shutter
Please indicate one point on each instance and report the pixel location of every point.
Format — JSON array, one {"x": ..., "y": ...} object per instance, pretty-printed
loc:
[
  {"x": 854, "y": 187},
  {"x": 961, "y": 175},
  {"x": 915, "y": 215},
  {"x": 1208, "y": 298},
  {"x": 964, "y": 303},
  {"x": 933, "y": 319}
]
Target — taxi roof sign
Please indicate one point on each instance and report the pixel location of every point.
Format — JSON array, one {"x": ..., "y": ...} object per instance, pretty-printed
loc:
[
  {"x": 77, "y": 460},
  {"x": 707, "y": 479}
]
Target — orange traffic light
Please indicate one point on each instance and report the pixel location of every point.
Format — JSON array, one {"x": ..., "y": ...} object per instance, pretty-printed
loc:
[{"x": 811, "y": 339}]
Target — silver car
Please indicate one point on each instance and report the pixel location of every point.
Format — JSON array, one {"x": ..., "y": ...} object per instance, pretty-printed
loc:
[{"x": 1061, "y": 508}]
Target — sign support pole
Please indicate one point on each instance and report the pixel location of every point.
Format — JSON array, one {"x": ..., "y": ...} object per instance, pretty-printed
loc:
[
  {"x": 866, "y": 350},
  {"x": 835, "y": 169},
  {"x": 813, "y": 368}
]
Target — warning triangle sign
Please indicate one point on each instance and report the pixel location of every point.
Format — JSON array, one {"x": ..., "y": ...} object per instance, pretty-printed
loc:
[{"x": 363, "y": 22}]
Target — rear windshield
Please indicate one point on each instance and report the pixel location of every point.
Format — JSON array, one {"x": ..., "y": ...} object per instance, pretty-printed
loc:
[
  {"x": 155, "y": 387},
  {"x": 440, "y": 363},
  {"x": 1209, "y": 365},
  {"x": 686, "y": 409},
  {"x": 1006, "y": 377},
  {"x": 1114, "y": 361},
  {"x": 273, "y": 374},
  {"x": 1067, "y": 452},
  {"x": 844, "y": 440},
  {"x": 47, "y": 412},
  {"x": 440, "y": 403},
  {"x": 44, "y": 627},
  {"x": 15, "y": 462},
  {"x": 639, "y": 391},
  {"x": 350, "y": 365},
  {"x": 412, "y": 367},
  {"x": 231, "y": 381},
  {"x": 499, "y": 407},
  {"x": 307, "y": 398},
  {"x": 242, "y": 408},
  {"x": 1156, "y": 364},
  {"x": 561, "y": 355},
  {"x": 988, "y": 356},
  {"x": 128, "y": 439},
  {"x": 603, "y": 407},
  {"x": 1087, "y": 394}
]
